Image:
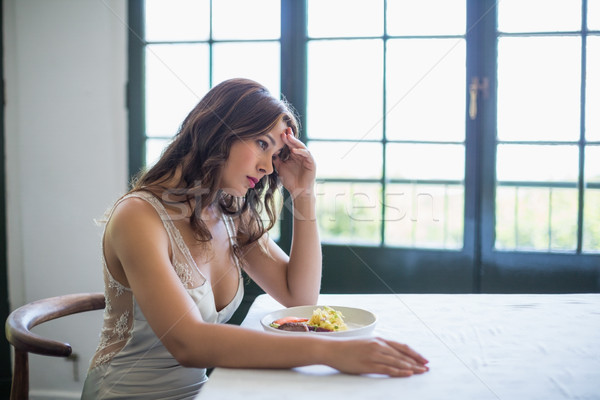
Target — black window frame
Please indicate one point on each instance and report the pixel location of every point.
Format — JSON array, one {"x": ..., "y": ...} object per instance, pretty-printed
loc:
[{"x": 5, "y": 351}]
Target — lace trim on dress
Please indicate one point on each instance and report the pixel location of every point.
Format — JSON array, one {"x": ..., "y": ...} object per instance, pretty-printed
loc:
[
  {"x": 118, "y": 320},
  {"x": 114, "y": 284},
  {"x": 104, "y": 359},
  {"x": 184, "y": 274},
  {"x": 122, "y": 327}
]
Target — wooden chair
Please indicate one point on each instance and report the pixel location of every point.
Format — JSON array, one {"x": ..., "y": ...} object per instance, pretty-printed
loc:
[{"x": 21, "y": 320}]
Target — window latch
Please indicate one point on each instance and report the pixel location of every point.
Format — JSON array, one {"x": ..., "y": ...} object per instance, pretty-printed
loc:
[{"x": 476, "y": 86}]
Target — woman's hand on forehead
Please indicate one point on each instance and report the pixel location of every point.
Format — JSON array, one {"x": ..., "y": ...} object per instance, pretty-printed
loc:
[{"x": 298, "y": 171}]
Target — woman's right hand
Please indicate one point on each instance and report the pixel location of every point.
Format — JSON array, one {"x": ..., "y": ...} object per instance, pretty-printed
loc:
[{"x": 375, "y": 356}]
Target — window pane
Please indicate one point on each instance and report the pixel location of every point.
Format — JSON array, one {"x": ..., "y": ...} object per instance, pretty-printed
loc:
[
  {"x": 537, "y": 163},
  {"x": 426, "y": 89},
  {"x": 539, "y": 15},
  {"x": 242, "y": 19},
  {"x": 426, "y": 17},
  {"x": 427, "y": 216},
  {"x": 154, "y": 149},
  {"x": 349, "y": 18},
  {"x": 260, "y": 63},
  {"x": 593, "y": 15},
  {"x": 345, "y": 94},
  {"x": 591, "y": 216},
  {"x": 349, "y": 212},
  {"x": 177, "y": 20},
  {"x": 358, "y": 160},
  {"x": 532, "y": 219},
  {"x": 176, "y": 79},
  {"x": 592, "y": 164},
  {"x": 541, "y": 219},
  {"x": 592, "y": 86},
  {"x": 539, "y": 84},
  {"x": 425, "y": 161},
  {"x": 563, "y": 219},
  {"x": 506, "y": 206}
]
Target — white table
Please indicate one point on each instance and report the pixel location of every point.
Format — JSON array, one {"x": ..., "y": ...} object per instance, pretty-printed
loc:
[{"x": 480, "y": 346}]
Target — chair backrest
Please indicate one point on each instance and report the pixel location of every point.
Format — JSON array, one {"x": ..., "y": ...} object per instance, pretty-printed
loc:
[{"x": 21, "y": 320}]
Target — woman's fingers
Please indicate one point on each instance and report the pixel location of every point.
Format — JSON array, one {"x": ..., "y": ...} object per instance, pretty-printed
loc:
[
  {"x": 300, "y": 159},
  {"x": 405, "y": 349},
  {"x": 403, "y": 364},
  {"x": 291, "y": 140},
  {"x": 301, "y": 152},
  {"x": 400, "y": 356}
]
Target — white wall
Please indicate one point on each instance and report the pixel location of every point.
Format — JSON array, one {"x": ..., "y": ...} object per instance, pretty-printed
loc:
[{"x": 65, "y": 75}]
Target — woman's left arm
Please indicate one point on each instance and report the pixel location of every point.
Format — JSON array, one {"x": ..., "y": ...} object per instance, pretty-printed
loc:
[{"x": 293, "y": 280}]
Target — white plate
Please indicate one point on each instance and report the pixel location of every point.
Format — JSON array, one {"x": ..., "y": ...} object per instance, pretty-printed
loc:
[{"x": 360, "y": 322}]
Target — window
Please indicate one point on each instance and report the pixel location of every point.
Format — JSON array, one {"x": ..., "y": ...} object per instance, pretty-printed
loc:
[
  {"x": 190, "y": 45},
  {"x": 547, "y": 144},
  {"x": 389, "y": 173},
  {"x": 457, "y": 140}
]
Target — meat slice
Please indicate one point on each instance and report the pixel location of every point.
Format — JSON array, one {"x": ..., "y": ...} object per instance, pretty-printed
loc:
[{"x": 294, "y": 327}]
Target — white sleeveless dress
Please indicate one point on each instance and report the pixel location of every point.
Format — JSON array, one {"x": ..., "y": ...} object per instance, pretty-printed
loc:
[{"x": 130, "y": 361}]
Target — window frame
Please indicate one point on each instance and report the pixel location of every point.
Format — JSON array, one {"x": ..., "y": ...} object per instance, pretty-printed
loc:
[
  {"x": 5, "y": 349},
  {"x": 478, "y": 266},
  {"x": 519, "y": 271}
]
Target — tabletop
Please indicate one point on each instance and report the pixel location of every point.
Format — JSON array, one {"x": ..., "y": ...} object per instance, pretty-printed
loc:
[{"x": 480, "y": 346}]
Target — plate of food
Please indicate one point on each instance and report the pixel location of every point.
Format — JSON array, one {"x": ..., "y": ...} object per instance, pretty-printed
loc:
[{"x": 320, "y": 320}]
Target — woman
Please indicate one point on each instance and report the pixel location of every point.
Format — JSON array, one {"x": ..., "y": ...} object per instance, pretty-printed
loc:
[{"x": 174, "y": 248}]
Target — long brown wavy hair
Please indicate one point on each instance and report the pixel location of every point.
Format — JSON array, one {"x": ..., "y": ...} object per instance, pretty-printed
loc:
[{"x": 234, "y": 110}]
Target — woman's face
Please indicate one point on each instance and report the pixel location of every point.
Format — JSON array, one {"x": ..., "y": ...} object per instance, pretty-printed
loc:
[{"x": 250, "y": 160}]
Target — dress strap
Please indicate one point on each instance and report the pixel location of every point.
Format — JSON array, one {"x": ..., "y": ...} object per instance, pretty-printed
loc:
[{"x": 230, "y": 226}]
